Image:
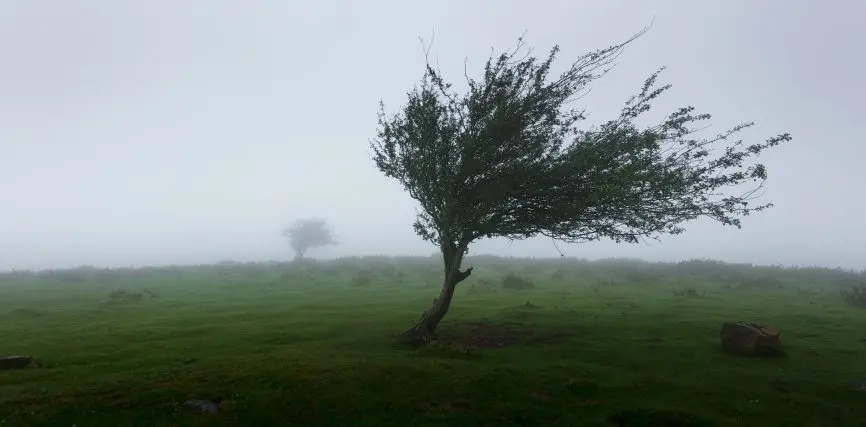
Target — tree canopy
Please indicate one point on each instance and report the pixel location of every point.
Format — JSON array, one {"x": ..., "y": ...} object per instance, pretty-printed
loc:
[
  {"x": 507, "y": 158},
  {"x": 306, "y": 234}
]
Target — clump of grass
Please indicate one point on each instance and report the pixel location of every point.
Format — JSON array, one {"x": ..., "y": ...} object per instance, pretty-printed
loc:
[
  {"x": 362, "y": 279},
  {"x": 514, "y": 281},
  {"x": 481, "y": 286},
  {"x": 810, "y": 291},
  {"x": 608, "y": 283},
  {"x": 855, "y": 296},
  {"x": 123, "y": 295},
  {"x": 687, "y": 292},
  {"x": 558, "y": 275}
]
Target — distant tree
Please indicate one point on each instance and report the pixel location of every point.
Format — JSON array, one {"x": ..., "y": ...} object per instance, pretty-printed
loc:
[
  {"x": 505, "y": 159},
  {"x": 306, "y": 234}
]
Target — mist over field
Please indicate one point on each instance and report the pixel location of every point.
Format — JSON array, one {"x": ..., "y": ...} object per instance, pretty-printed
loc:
[{"x": 182, "y": 133}]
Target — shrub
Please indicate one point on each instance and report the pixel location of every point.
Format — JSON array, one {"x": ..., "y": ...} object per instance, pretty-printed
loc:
[
  {"x": 607, "y": 283},
  {"x": 513, "y": 281},
  {"x": 481, "y": 286},
  {"x": 117, "y": 294},
  {"x": 363, "y": 278},
  {"x": 121, "y": 295},
  {"x": 687, "y": 292},
  {"x": 558, "y": 275},
  {"x": 855, "y": 296}
]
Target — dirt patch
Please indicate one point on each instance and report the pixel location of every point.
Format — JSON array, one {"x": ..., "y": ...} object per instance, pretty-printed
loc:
[
  {"x": 655, "y": 418},
  {"x": 480, "y": 335},
  {"x": 549, "y": 337},
  {"x": 498, "y": 335}
]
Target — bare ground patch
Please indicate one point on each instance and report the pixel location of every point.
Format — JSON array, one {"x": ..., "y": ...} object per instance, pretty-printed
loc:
[{"x": 480, "y": 335}]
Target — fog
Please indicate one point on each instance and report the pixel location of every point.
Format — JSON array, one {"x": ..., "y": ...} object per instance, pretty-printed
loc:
[{"x": 162, "y": 132}]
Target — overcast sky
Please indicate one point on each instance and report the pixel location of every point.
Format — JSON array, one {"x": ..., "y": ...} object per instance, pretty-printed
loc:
[{"x": 165, "y": 131}]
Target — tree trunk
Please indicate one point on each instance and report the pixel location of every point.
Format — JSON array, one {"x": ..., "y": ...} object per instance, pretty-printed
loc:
[{"x": 424, "y": 329}]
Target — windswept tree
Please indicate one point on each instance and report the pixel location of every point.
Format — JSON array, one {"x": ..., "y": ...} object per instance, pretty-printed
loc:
[
  {"x": 306, "y": 234},
  {"x": 506, "y": 158}
]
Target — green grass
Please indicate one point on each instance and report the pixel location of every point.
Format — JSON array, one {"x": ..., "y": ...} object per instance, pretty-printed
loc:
[{"x": 586, "y": 344}]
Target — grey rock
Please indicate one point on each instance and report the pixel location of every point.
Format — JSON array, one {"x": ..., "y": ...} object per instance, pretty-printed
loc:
[
  {"x": 203, "y": 406},
  {"x": 15, "y": 362},
  {"x": 751, "y": 339},
  {"x": 858, "y": 385}
]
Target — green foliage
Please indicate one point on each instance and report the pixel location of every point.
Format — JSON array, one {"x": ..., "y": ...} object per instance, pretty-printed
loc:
[
  {"x": 506, "y": 158},
  {"x": 306, "y": 234}
]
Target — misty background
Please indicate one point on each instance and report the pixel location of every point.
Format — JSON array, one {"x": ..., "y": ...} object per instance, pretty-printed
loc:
[{"x": 166, "y": 132}]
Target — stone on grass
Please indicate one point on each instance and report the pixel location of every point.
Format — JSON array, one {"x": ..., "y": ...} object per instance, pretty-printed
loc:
[
  {"x": 858, "y": 385},
  {"x": 202, "y": 406},
  {"x": 15, "y": 362},
  {"x": 751, "y": 339}
]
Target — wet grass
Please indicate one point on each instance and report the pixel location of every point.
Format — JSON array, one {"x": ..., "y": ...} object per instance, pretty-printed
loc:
[{"x": 574, "y": 351}]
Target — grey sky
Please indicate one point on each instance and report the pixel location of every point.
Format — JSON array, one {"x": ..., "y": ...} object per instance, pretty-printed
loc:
[{"x": 174, "y": 132}]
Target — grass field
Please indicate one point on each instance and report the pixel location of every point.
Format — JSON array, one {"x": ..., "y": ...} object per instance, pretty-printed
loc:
[{"x": 592, "y": 344}]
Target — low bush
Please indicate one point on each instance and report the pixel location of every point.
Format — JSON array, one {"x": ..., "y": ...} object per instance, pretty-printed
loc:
[
  {"x": 363, "y": 278},
  {"x": 121, "y": 295},
  {"x": 687, "y": 292},
  {"x": 855, "y": 296},
  {"x": 514, "y": 281}
]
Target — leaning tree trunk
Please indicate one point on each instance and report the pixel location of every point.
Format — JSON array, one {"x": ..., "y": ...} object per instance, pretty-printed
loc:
[{"x": 424, "y": 329}]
